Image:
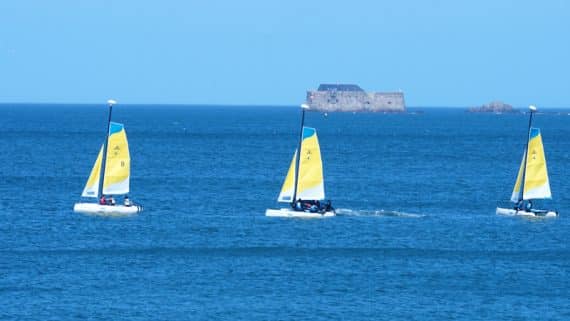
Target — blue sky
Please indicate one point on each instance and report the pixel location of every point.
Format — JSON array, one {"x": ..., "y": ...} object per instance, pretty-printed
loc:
[{"x": 440, "y": 53}]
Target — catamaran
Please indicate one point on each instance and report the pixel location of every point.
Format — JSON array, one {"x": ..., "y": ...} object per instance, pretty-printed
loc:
[
  {"x": 304, "y": 187},
  {"x": 532, "y": 179},
  {"x": 115, "y": 162}
]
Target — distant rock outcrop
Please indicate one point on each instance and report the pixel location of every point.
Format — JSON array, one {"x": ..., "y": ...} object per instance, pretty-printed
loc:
[
  {"x": 493, "y": 107},
  {"x": 352, "y": 98}
]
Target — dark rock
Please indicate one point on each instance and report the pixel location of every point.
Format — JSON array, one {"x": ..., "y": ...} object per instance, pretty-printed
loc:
[
  {"x": 352, "y": 98},
  {"x": 493, "y": 107}
]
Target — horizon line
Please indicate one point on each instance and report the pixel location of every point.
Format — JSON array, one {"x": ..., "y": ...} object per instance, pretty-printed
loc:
[{"x": 234, "y": 105}]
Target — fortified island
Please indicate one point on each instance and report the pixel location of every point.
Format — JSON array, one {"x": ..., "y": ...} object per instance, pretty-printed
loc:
[{"x": 352, "y": 98}]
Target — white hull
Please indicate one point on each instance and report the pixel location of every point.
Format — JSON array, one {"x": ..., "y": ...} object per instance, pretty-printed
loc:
[
  {"x": 106, "y": 210},
  {"x": 534, "y": 213},
  {"x": 287, "y": 212}
]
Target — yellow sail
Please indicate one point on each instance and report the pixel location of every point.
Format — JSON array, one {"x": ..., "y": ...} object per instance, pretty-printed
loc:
[
  {"x": 536, "y": 184},
  {"x": 117, "y": 166},
  {"x": 286, "y": 194},
  {"x": 516, "y": 196},
  {"x": 92, "y": 185},
  {"x": 311, "y": 182}
]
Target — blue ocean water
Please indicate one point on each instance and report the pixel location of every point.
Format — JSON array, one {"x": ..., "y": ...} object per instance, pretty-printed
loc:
[{"x": 417, "y": 237}]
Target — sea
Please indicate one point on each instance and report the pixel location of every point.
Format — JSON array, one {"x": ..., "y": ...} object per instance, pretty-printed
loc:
[{"x": 416, "y": 236}]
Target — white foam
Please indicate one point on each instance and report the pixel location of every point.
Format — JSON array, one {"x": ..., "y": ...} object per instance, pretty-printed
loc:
[{"x": 382, "y": 212}]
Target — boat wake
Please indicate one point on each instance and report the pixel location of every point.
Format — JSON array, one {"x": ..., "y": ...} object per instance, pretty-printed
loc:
[{"x": 351, "y": 212}]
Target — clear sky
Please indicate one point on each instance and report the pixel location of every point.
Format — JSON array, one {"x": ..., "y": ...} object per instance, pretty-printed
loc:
[{"x": 440, "y": 53}]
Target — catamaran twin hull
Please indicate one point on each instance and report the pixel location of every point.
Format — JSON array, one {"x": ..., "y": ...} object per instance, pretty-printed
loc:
[
  {"x": 532, "y": 213},
  {"x": 106, "y": 210},
  {"x": 286, "y": 212}
]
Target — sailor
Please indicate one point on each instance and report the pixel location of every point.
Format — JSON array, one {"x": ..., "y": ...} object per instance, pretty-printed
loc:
[
  {"x": 315, "y": 206},
  {"x": 519, "y": 206},
  {"x": 111, "y": 200},
  {"x": 528, "y": 207},
  {"x": 127, "y": 201},
  {"x": 328, "y": 206},
  {"x": 102, "y": 200},
  {"x": 298, "y": 205}
]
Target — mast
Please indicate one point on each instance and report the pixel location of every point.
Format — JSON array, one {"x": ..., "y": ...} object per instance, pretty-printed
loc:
[
  {"x": 532, "y": 110},
  {"x": 298, "y": 158},
  {"x": 104, "y": 157}
]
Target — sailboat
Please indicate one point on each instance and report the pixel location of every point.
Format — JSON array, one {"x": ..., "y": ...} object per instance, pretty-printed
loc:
[
  {"x": 115, "y": 162},
  {"x": 532, "y": 179},
  {"x": 304, "y": 188}
]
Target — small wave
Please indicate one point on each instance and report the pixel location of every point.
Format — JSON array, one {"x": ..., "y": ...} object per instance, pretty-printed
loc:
[{"x": 351, "y": 212}]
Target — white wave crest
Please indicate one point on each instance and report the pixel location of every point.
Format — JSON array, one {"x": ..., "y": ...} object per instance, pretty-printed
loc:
[{"x": 382, "y": 212}]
